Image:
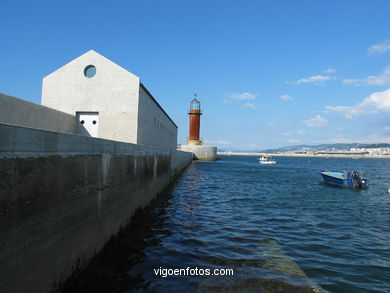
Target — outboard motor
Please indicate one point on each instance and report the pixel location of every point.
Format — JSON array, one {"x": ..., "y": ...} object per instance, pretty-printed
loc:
[{"x": 357, "y": 179}]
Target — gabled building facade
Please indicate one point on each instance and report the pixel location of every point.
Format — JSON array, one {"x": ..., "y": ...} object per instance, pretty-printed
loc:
[{"x": 109, "y": 102}]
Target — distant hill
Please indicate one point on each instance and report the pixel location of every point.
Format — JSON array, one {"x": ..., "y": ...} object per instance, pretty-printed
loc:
[{"x": 325, "y": 147}]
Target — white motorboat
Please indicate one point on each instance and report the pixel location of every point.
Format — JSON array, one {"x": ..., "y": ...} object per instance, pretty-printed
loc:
[{"x": 266, "y": 160}]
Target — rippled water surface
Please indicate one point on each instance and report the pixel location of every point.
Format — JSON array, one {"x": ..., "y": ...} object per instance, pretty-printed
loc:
[{"x": 277, "y": 226}]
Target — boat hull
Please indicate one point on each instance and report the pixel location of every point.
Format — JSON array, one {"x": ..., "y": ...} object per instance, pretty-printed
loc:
[
  {"x": 333, "y": 180},
  {"x": 266, "y": 160},
  {"x": 339, "y": 180}
]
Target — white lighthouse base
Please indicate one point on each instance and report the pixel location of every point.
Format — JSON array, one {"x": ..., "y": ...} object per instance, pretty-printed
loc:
[{"x": 201, "y": 152}]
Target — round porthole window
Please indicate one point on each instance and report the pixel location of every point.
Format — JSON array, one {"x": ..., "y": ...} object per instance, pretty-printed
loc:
[
  {"x": 89, "y": 71},
  {"x": 94, "y": 122},
  {"x": 82, "y": 122}
]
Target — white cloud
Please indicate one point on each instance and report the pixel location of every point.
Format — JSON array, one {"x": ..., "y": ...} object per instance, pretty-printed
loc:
[
  {"x": 379, "y": 48},
  {"x": 291, "y": 133},
  {"x": 286, "y": 97},
  {"x": 315, "y": 79},
  {"x": 330, "y": 70},
  {"x": 339, "y": 139},
  {"x": 239, "y": 97},
  {"x": 242, "y": 96},
  {"x": 253, "y": 145},
  {"x": 374, "y": 103},
  {"x": 293, "y": 141},
  {"x": 249, "y": 105},
  {"x": 373, "y": 138},
  {"x": 382, "y": 79},
  {"x": 376, "y": 138},
  {"x": 349, "y": 112},
  {"x": 223, "y": 142},
  {"x": 317, "y": 121}
]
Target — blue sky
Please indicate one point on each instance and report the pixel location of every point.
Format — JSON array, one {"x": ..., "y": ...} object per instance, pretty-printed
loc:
[{"x": 268, "y": 73}]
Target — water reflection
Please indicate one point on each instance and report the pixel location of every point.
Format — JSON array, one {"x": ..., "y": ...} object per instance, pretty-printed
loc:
[{"x": 279, "y": 230}]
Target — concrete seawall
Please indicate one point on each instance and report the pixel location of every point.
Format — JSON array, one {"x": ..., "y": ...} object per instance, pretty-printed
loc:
[
  {"x": 63, "y": 196},
  {"x": 20, "y": 112}
]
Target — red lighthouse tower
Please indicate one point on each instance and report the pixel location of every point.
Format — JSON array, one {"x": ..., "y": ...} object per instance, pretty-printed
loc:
[{"x": 194, "y": 113}]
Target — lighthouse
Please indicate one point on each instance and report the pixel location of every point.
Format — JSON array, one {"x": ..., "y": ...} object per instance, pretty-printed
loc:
[
  {"x": 194, "y": 142},
  {"x": 194, "y": 117}
]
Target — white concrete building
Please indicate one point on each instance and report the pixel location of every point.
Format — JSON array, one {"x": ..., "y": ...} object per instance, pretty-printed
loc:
[{"x": 109, "y": 102}]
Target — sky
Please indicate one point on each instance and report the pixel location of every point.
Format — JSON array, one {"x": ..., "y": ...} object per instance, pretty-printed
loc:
[{"x": 268, "y": 73}]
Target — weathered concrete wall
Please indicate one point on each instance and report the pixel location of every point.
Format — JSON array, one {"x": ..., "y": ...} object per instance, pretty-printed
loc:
[
  {"x": 20, "y": 112},
  {"x": 154, "y": 125},
  {"x": 201, "y": 152},
  {"x": 63, "y": 196}
]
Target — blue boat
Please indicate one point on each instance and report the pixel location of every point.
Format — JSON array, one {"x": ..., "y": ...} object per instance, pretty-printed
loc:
[{"x": 352, "y": 179}]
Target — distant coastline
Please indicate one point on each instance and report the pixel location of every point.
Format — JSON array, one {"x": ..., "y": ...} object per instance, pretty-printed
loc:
[{"x": 307, "y": 155}]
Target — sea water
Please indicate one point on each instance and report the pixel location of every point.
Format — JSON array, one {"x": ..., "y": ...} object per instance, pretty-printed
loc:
[{"x": 278, "y": 228}]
